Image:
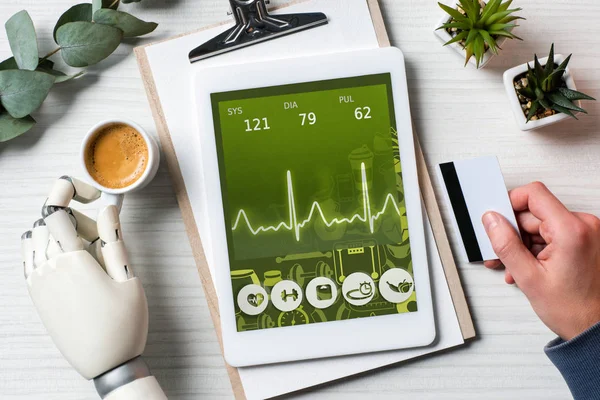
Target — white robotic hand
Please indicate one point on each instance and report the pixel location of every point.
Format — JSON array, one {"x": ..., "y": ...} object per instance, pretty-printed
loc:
[{"x": 83, "y": 288}]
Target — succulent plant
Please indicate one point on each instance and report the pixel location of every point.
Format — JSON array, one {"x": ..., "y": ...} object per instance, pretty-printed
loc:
[
  {"x": 478, "y": 26},
  {"x": 547, "y": 89}
]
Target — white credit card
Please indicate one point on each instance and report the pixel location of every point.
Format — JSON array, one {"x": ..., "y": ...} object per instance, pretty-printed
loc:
[{"x": 472, "y": 188}]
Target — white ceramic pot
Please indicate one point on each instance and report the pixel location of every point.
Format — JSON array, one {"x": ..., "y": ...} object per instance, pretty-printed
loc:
[
  {"x": 444, "y": 36},
  {"x": 509, "y": 77}
]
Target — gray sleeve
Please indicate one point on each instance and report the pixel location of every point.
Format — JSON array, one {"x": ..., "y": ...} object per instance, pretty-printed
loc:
[{"x": 578, "y": 360}]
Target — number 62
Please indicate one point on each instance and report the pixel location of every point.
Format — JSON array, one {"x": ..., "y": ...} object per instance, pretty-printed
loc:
[{"x": 362, "y": 113}]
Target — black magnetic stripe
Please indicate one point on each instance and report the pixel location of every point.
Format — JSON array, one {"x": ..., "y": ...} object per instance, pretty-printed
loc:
[{"x": 461, "y": 212}]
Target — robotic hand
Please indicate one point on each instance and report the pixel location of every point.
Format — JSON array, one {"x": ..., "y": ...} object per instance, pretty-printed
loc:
[{"x": 86, "y": 295}]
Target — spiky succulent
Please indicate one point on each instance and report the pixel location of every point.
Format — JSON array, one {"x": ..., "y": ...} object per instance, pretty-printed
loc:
[
  {"x": 547, "y": 89},
  {"x": 478, "y": 26}
]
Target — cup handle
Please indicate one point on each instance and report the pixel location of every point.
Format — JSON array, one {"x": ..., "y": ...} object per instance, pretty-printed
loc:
[{"x": 113, "y": 200}]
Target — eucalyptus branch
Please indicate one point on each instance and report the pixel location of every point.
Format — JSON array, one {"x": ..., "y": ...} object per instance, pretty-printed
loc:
[
  {"x": 53, "y": 52},
  {"x": 86, "y": 34}
]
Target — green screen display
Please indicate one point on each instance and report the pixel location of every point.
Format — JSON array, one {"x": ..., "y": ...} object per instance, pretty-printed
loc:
[{"x": 313, "y": 198}]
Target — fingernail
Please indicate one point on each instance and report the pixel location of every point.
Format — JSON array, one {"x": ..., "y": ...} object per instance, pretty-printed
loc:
[{"x": 490, "y": 221}]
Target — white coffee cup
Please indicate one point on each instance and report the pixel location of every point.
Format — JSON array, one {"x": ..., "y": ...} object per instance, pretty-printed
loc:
[{"x": 112, "y": 195}]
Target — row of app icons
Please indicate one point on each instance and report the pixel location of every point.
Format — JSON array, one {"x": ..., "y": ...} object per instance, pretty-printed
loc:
[{"x": 396, "y": 286}]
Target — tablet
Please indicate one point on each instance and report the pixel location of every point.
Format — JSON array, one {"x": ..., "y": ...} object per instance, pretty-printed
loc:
[{"x": 315, "y": 214}]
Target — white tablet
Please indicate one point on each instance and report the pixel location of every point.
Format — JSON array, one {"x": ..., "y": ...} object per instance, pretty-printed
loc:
[{"x": 314, "y": 204}]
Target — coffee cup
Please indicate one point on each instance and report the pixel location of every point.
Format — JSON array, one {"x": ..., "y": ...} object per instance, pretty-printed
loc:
[{"x": 119, "y": 157}]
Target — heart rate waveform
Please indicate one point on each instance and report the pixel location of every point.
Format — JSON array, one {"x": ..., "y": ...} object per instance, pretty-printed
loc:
[{"x": 294, "y": 226}]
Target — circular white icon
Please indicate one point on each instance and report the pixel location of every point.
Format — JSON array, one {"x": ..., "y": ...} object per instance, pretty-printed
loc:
[
  {"x": 358, "y": 289},
  {"x": 286, "y": 296},
  {"x": 252, "y": 299},
  {"x": 396, "y": 285},
  {"x": 321, "y": 292}
]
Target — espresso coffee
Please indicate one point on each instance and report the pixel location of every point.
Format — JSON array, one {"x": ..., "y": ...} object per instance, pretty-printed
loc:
[{"x": 117, "y": 156}]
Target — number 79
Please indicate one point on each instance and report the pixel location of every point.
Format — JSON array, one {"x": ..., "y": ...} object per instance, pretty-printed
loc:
[{"x": 311, "y": 117}]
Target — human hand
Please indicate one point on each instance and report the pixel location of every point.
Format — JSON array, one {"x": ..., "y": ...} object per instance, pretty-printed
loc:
[{"x": 557, "y": 265}]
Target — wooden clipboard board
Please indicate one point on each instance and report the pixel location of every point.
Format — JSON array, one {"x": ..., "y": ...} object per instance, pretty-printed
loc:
[{"x": 458, "y": 296}]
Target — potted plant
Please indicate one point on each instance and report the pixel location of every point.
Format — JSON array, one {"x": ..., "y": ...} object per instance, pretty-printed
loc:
[
  {"x": 477, "y": 29},
  {"x": 545, "y": 94}
]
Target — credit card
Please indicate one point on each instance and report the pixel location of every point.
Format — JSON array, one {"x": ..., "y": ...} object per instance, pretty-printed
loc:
[{"x": 472, "y": 188}]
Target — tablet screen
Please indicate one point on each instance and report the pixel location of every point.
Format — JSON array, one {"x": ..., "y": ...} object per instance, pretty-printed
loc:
[{"x": 313, "y": 200}]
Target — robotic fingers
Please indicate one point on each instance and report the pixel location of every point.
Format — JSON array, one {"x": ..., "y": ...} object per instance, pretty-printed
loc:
[
  {"x": 112, "y": 245},
  {"x": 64, "y": 230},
  {"x": 27, "y": 252},
  {"x": 41, "y": 241},
  {"x": 82, "y": 285},
  {"x": 67, "y": 188}
]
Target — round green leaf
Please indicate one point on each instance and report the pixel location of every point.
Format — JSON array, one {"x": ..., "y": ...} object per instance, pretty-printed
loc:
[
  {"x": 79, "y": 12},
  {"x": 130, "y": 25},
  {"x": 11, "y": 127},
  {"x": 87, "y": 43},
  {"x": 22, "y": 40},
  {"x": 45, "y": 65},
  {"x": 9, "y": 63},
  {"x": 22, "y": 92},
  {"x": 96, "y": 5}
]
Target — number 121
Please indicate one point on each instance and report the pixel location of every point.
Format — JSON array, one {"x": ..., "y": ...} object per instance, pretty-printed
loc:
[{"x": 260, "y": 124}]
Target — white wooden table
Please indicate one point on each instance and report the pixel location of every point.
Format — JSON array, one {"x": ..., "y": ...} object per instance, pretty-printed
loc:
[{"x": 458, "y": 112}]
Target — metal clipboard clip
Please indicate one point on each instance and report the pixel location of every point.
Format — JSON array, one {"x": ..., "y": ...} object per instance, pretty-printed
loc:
[{"x": 254, "y": 25}]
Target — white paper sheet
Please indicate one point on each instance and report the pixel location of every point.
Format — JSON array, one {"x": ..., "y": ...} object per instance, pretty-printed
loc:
[{"x": 350, "y": 28}]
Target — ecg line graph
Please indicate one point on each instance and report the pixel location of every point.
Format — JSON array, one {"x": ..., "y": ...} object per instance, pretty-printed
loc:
[{"x": 293, "y": 225}]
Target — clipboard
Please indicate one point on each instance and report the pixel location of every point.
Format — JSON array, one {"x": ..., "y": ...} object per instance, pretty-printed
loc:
[{"x": 441, "y": 239}]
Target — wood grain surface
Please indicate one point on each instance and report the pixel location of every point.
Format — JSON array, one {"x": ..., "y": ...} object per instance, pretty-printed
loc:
[{"x": 459, "y": 113}]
